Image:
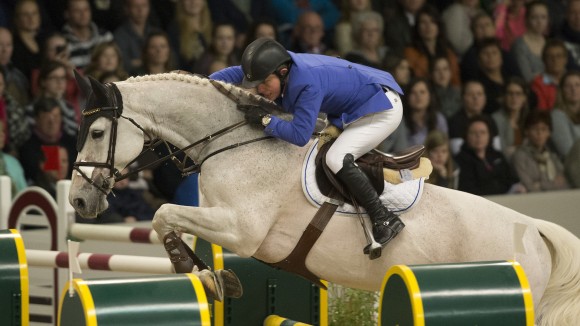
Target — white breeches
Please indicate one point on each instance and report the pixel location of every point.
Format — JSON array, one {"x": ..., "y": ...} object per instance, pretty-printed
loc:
[{"x": 366, "y": 133}]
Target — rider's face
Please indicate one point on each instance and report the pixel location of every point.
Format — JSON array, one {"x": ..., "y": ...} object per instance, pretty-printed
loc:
[{"x": 270, "y": 88}]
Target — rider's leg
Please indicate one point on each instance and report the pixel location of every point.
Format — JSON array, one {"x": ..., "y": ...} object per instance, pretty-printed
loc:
[
  {"x": 386, "y": 224},
  {"x": 357, "y": 139}
]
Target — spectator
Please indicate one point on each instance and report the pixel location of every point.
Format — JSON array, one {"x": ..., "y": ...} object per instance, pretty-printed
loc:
[
  {"x": 397, "y": 141},
  {"x": 16, "y": 129},
  {"x": 10, "y": 166},
  {"x": 572, "y": 165},
  {"x": 222, "y": 49},
  {"x": 457, "y": 19},
  {"x": 445, "y": 173},
  {"x": 482, "y": 27},
  {"x": 447, "y": 95},
  {"x": 156, "y": 54},
  {"x": 566, "y": 115},
  {"x": 570, "y": 32},
  {"x": 262, "y": 27},
  {"x": 368, "y": 49},
  {"x": 56, "y": 48},
  {"x": 16, "y": 82},
  {"x": 527, "y": 49},
  {"x": 27, "y": 37},
  {"x": 482, "y": 169},
  {"x": 110, "y": 77},
  {"x": 108, "y": 15},
  {"x": 47, "y": 131},
  {"x": 190, "y": 32},
  {"x": 399, "y": 68},
  {"x": 308, "y": 34},
  {"x": 473, "y": 101},
  {"x": 128, "y": 202},
  {"x": 400, "y": 22},
  {"x": 131, "y": 35},
  {"x": 557, "y": 13},
  {"x": 538, "y": 168},
  {"x": 420, "y": 112},
  {"x": 287, "y": 13},
  {"x": 241, "y": 14},
  {"x": 54, "y": 166},
  {"x": 512, "y": 115},
  {"x": 343, "y": 34},
  {"x": 545, "y": 84},
  {"x": 491, "y": 74},
  {"x": 52, "y": 83},
  {"x": 510, "y": 21},
  {"x": 82, "y": 33},
  {"x": 106, "y": 57},
  {"x": 429, "y": 41}
]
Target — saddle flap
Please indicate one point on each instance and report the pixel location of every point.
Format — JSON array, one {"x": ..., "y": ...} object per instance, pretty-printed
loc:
[{"x": 327, "y": 181}]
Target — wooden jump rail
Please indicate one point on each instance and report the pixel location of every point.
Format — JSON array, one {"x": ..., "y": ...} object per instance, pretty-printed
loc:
[{"x": 101, "y": 262}]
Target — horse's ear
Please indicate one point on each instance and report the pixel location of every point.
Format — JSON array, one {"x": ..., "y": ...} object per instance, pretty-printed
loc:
[
  {"x": 98, "y": 88},
  {"x": 84, "y": 86}
]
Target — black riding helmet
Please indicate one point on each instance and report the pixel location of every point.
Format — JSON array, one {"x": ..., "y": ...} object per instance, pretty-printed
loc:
[{"x": 261, "y": 58}]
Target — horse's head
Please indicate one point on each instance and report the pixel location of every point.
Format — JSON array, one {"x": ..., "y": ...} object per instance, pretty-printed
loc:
[{"x": 108, "y": 141}]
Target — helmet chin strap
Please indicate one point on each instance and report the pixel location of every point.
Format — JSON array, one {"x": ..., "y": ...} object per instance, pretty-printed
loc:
[{"x": 282, "y": 74}]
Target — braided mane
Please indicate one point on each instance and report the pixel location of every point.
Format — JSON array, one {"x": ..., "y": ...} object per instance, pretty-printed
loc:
[{"x": 241, "y": 95}]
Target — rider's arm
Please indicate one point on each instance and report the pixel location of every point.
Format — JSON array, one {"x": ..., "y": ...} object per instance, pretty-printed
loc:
[
  {"x": 232, "y": 75},
  {"x": 305, "y": 111}
]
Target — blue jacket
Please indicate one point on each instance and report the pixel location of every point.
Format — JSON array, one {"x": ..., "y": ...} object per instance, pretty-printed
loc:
[{"x": 345, "y": 91}]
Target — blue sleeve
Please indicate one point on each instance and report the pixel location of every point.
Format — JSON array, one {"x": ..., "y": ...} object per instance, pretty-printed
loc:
[
  {"x": 300, "y": 129},
  {"x": 232, "y": 75}
]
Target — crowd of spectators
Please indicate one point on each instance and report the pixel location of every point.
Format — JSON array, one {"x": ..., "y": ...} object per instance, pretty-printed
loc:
[{"x": 492, "y": 86}]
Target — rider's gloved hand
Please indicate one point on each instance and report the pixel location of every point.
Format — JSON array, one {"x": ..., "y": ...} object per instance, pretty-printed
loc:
[{"x": 254, "y": 113}]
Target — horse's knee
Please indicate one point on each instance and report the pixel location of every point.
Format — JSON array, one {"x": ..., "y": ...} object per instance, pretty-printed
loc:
[{"x": 159, "y": 222}]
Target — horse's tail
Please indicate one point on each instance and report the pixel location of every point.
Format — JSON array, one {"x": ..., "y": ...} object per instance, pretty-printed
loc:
[{"x": 560, "y": 304}]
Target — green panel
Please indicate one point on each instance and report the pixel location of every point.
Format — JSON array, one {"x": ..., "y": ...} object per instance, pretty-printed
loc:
[
  {"x": 266, "y": 291},
  {"x": 72, "y": 312},
  {"x": 397, "y": 309},
  {"x": 153, "y": 300},
  {"x": 10, "y": 293},
  {"x": 481, "y": 293}
]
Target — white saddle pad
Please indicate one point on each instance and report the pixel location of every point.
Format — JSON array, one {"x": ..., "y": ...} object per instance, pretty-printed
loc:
[{"x": 398, "y": 198}]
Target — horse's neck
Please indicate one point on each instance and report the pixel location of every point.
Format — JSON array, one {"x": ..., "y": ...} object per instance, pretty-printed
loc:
[{"x": 178, "y": 112}]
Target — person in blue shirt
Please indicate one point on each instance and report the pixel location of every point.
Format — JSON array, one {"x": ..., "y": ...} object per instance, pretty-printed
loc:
[{"x": 362, "y": 101}]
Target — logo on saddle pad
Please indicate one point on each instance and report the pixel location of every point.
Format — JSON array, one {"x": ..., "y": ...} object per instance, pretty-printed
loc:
[{"x": 402, "y": 189}]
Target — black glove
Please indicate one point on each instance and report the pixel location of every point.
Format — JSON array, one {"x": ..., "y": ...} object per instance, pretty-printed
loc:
[{"x": 254, "y": 113}]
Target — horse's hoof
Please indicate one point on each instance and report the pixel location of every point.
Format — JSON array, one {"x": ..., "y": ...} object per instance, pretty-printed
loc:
[
  {"x": 230, "y": 283},
  {"x": 211, "y": 285}
]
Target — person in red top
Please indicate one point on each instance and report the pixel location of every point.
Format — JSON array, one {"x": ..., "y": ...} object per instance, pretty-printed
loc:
[{"x": 545, "y": 85}]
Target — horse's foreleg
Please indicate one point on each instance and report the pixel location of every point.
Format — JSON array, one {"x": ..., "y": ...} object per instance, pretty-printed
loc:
[{"x": 214, "y": 224}]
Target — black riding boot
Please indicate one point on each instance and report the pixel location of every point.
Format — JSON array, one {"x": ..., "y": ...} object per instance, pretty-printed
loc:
[{"x": 386, "y": 224}]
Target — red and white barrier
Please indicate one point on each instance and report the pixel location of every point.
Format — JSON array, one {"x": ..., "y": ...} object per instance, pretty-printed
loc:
[
  {"x": 101, "y": 262},
  {"x": 113, "y": 233}
]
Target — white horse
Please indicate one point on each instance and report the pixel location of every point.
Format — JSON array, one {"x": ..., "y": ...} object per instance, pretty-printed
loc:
[{"x": 253, "y": 203}]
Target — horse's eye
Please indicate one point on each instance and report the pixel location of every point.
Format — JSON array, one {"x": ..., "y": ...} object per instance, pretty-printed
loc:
[{"x": 96, "y": 134}]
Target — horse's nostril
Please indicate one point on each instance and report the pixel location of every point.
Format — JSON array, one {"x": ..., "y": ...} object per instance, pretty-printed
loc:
[{"x": 79, "y": 203}]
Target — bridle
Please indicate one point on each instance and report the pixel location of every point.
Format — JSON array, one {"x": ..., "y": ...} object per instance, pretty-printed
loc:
[{"x": 113, "y": 113}]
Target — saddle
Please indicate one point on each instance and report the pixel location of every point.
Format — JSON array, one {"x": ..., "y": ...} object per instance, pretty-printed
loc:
[{"x": 378, "y": 166}]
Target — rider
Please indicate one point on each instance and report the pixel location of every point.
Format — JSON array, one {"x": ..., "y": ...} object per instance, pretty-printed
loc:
[{"x": 362, "y": 101}]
